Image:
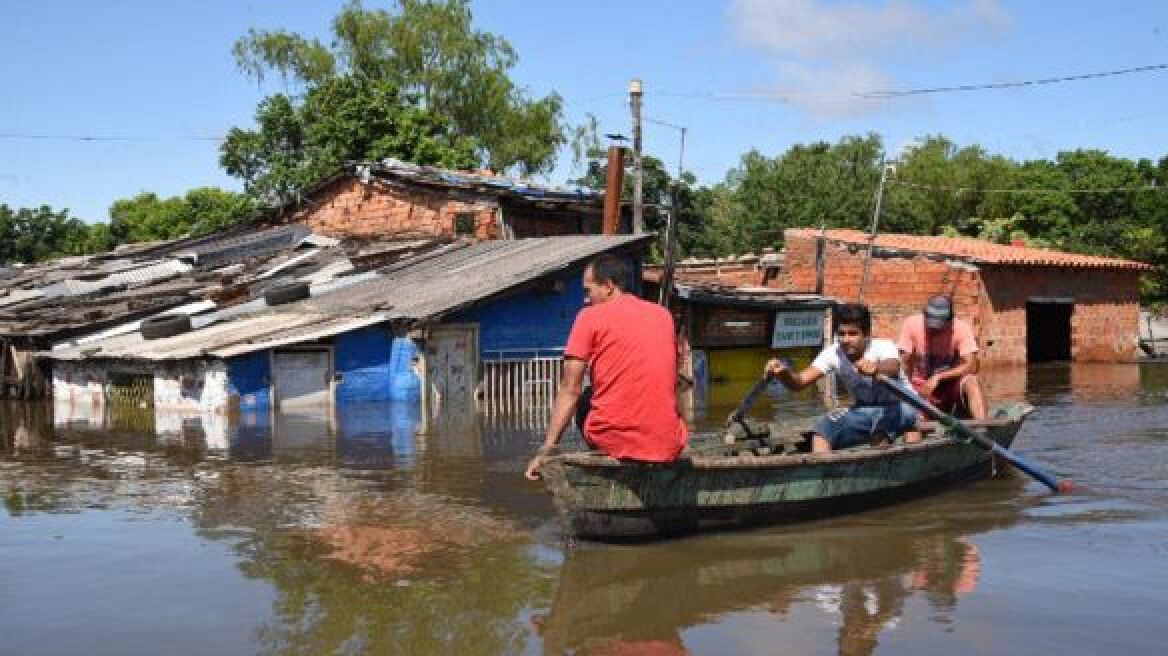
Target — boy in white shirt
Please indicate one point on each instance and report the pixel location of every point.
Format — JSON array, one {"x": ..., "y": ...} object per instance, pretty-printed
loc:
[{"x": 876, "y": 414}]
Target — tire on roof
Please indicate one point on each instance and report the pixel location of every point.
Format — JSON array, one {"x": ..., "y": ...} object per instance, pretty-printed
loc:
[
  {"x": 296, "y": 291},
  {"x": 166, "y": 326}
]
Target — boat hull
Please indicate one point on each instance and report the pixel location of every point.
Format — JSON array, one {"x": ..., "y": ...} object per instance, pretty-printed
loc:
[{"x": 601, "y": 498}]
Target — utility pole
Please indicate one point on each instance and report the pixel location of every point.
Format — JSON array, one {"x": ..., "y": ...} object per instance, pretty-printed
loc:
[
  {"x": 638, "y": 199},
  {"x": 674, "y": 217},
  {"x": 885, "y": 171}
]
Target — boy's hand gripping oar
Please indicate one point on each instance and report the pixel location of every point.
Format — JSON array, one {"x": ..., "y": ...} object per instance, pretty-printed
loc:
[
  {"x": 931, "y": 411},
  {"x": 748, "y": 400}
]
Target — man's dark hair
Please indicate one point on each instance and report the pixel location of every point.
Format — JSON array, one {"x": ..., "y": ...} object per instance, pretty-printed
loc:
[
  {"x": 610, "y": 268},
  {"x": 856, "y": 314}
]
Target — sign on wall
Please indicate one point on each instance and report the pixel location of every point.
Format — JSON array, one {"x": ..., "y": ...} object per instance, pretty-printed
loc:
[{"x": 794, "y": 329}]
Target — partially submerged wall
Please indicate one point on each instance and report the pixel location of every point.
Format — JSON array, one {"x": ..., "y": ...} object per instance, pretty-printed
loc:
[
  {"x": 183, "y": 386},
  {"x": 993, "y": 298}
]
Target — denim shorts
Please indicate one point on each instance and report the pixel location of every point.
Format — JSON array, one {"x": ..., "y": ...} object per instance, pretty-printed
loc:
[{"x": 857, "y": 425}]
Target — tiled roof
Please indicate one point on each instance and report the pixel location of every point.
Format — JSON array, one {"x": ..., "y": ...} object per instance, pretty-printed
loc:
[{"x": 975, "y": 250}]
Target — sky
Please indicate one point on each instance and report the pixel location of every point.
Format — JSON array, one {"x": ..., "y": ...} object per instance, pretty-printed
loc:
[{"x": 158, "y": 77}]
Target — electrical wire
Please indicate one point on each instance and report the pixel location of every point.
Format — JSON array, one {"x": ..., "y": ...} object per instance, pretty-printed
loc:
[
  {"x": 106, "y": 137},
  {"x": 959, "y": 190},
  {"x": 884, "y": 94},
  {"x": 896, "y": 93}
]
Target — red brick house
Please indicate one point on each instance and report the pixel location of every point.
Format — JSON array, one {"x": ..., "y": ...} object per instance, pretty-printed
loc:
[
  {"x": 398, "y": 198},
  {"x": 1025, "y": 304}
]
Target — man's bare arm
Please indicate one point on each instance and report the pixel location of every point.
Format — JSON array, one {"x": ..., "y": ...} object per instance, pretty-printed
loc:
[{"x": 571, "y": 386}]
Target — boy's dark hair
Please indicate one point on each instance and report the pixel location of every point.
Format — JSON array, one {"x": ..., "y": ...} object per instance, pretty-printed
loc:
[
  {"x": 856, "y": 314},
  {"x": 610, "y": 268}
]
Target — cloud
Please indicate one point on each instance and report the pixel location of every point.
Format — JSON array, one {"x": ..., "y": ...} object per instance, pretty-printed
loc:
[
  {"x": 823, "y": 52},
  {"x": 825, "y": 90}
]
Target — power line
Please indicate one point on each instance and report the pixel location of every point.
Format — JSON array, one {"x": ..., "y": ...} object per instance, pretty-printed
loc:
[
  {"x": 895, "y": 93},
  {"x": 883, "y": 94},
  {"x": 959, "y": 190},
  {"x": 102, "y": 137}
]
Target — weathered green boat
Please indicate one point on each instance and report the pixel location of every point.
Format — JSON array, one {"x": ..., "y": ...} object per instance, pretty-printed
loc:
[{"x": 599, "y": 497}]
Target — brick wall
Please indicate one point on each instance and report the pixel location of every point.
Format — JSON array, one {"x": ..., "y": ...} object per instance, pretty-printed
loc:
[
  {"x": 350, "y": 208},
  {"x": 1104, "y": 322},
  {"x": 897, "y": 286}
]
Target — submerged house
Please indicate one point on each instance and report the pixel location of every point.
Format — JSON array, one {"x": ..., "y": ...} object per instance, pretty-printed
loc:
[
  {"x": 465, "y": 325},
  {"x": 63, "y": 301},
  {"x": 730, "y": 331},
  {"x": 1025, "y": 304},
  {"x": 365, "y": 217}
]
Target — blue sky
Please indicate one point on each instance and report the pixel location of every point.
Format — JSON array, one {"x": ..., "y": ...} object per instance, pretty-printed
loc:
[{"x": 162, "y": 72}]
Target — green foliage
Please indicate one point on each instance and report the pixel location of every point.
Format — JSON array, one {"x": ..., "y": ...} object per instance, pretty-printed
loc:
[
  {"x": 807, "y": 186},
  {"x": 430, "y": 51},
  {"x": 938, "y": 187},
  {"x": 297, "y": 144},
  {"x": 30, "y": 235},
  {"x": 146, "y": 217}
]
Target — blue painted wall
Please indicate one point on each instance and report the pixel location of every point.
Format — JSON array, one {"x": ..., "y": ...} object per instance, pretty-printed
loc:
[
  {"x": 535, "y": 320},
  {"x": 375, "y": 366},
  {"x": 531, "y": 321},
  {"x": 249, "y": 378}
]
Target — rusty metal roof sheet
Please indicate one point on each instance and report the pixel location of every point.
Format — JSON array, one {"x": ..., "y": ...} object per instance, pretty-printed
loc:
[{"x": 428, "y": 287}]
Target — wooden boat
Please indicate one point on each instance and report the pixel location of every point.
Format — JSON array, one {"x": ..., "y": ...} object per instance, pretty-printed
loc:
[{"x": 599, "y": 497}]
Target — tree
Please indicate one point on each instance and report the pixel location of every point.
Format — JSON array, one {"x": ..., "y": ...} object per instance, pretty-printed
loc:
[
  {"x": 807, "y": 186},
  {"x": 146, "y": 217},
  {"x": 429, "y": 50},
  {"x": 34, "y": 234},
  {"x": 297, "y": 144}
]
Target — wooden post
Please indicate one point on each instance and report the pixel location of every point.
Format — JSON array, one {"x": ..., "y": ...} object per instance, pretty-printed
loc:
[
  {"x": 820, "y": 258},
  {"x": 612, "y": 190},
  {"x": 670, "y": 253}
]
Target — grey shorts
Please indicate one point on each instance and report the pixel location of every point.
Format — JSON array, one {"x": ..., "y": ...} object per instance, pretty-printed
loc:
[{"x": 857, "y": 425}]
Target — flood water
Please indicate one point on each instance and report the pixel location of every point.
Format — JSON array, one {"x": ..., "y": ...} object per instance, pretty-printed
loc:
[{"x": 365, "y": 536}]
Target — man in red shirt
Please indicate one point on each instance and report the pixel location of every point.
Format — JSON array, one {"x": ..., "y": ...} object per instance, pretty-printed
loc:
[
  {"x": 939, "y": 353},
  {"x": 628, "y": 346}
]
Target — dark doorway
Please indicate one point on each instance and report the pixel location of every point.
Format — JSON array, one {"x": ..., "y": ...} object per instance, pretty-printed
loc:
[{"x": 1048, "y": 331}]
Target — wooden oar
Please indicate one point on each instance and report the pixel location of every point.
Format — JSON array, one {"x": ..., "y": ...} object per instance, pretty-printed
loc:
[
  {"x": 748, "y": 400},
  {"x": 933, "y": 412}
]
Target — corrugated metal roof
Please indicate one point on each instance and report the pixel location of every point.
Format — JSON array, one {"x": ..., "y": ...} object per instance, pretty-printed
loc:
[
  {"x": 152, "y": 272},
  {"x": 976, "y": 250},
  {"x": 753, "y": 296},
  {"x": 446, "y": 282},
  {"x": 434, "y": 285},
  {"x": 19, "y": 296},
  {"x": 480, "y": 181}
]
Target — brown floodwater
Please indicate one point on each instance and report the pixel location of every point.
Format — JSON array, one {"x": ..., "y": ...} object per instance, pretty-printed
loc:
[{"x": 124, "y": 534}]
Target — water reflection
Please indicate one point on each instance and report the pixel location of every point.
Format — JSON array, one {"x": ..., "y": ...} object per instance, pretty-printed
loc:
[
  {"x": 858, "y": 580},
  {"x": 368, "y": 532}
]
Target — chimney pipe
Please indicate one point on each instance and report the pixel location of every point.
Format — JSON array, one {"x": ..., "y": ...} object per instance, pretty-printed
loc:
[{"x": 612, "y": 190}]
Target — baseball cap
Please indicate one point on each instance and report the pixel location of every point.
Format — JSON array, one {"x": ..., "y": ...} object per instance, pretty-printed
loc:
[{"x": 938, "y": 312}]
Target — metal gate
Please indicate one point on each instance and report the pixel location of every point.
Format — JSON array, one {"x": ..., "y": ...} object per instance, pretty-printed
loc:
[
  {"x": 517, "y": 382},
  {"x": 134, "y": 390}
]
